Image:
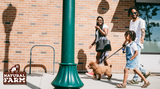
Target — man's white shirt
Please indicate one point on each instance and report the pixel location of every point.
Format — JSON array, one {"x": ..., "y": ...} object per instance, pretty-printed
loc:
[{"x": 136, "y": 27}]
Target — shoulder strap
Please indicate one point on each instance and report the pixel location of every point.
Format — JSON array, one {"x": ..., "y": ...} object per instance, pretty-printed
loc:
[{"x": 131, "y": 43}]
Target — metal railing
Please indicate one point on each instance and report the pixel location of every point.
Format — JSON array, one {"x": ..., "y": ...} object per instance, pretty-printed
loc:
[{"x": 53, "y": 57}]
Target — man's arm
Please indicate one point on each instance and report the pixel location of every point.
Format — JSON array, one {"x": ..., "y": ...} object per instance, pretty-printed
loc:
[{"x": 142, "y": 35}]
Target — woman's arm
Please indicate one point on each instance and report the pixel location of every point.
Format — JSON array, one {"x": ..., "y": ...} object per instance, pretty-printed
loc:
[
  {"x": 104, "y": 32},
  {"x": 92, "y": 44}
]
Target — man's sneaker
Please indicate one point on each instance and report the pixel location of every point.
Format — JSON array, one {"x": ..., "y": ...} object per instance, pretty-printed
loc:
[
  {"x": 90, "y": 74},
  {"x": 146, "y": 75},
  {"x": 132, "y": 82}
]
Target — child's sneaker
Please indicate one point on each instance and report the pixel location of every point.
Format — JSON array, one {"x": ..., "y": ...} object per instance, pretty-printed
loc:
[{"x": 90, "y": 74}]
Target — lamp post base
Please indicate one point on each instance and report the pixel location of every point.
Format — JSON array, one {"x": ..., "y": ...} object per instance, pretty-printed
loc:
[{"x": 67, "y": 77}]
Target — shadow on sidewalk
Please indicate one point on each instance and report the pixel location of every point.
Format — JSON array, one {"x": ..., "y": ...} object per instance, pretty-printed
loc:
[
  {"x": 35, "y": 74},
  {"x": 108, "y": 81},
  {"x": 111, "y": 81},
  {"x": 32, "y": 86}
]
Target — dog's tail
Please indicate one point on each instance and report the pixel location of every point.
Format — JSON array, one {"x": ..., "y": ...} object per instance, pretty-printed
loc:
[{"x": 110, "y": 66}]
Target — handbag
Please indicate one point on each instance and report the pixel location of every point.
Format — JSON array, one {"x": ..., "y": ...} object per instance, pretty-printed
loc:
[{"x": 103, "y": 45}]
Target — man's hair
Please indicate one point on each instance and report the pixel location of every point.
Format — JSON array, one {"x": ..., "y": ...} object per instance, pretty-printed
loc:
[
  {"x": 130, "y": 10},
  {"x": 132, "y": 34}
]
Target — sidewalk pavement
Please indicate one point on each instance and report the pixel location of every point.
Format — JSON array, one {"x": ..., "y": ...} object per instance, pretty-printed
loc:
[{"x": 43, "y": 81}]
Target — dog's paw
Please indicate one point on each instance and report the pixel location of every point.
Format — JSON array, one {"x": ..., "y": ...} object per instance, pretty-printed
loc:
[
  {"x": 109, "y": 77},
  {"x": 98, "y": 79},
  {"x": 94, "y": 76}
]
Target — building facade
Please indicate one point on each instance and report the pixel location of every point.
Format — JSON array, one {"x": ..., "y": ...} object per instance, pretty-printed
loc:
[{"x": 25, "y": 23}]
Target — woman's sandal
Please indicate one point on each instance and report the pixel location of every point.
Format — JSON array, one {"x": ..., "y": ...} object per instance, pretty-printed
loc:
[
  {"x": 146, "y": 76},
  {"x": 132, "y": 82},
  {"x": 145, "y": 85},
  {"x": 121, "y": 86}
]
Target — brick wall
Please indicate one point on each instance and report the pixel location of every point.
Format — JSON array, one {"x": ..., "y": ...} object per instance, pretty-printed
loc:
[{"x": 31, "y": 22}]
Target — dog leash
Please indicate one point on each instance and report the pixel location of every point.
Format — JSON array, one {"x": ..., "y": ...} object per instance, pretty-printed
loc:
[{"x": 115, "y": 53}]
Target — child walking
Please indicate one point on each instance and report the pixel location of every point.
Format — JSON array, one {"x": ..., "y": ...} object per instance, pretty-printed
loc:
[{"x": 131, "y": 59}]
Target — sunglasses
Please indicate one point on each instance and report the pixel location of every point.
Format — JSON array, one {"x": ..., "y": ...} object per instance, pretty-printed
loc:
[
  {"x": 99, "y": 21},
  {"x": 134, "y": 13}
]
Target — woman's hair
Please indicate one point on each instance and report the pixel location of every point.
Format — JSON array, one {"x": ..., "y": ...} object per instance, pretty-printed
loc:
[
  {"x": 132, "y": 34},
  {"x": 130, "y": 10},
  {"x": 102, "y": 21}
]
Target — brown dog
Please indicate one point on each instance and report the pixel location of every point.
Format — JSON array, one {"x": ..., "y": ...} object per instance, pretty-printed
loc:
[{"x": 100, "y": 70}]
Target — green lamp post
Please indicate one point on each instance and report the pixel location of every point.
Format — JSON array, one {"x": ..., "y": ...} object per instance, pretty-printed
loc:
[{"x": 67, "y": 77}]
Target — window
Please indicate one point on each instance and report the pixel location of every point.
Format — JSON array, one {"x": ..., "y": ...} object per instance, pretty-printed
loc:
[{"x": 151, "y": 14}]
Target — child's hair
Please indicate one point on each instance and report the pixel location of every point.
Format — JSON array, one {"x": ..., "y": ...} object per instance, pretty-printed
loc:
[{"x": 132, "y": 34}]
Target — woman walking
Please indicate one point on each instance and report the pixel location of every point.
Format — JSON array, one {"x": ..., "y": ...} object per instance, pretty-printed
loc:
[{"x": 101, "y": 34}]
